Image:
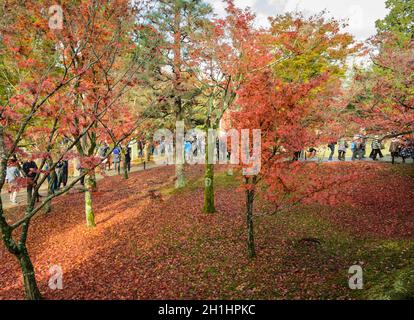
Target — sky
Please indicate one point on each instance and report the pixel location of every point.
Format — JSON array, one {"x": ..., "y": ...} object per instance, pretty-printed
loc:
[{"x": 360, "y": 14}]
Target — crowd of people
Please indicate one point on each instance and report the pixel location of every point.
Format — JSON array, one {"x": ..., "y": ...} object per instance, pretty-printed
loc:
[
  {"x": 400, "y": 147},
  {"x": 27, "y": 169},
  {"x": 22, "y": 173},
  {"x": 115, "y": 157}
]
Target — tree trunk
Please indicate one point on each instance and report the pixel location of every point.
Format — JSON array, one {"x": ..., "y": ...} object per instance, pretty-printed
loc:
[
  {"x": 29, "y": 279},
  {"x": 90, "y": 217},
  {"x": 48, "y": 205},
  {"x": 51, "y": 187},
  {"x": 125, "y": 166},
  {"x": 209, "y": 172},
  {"x": 179, "y": 175},
  {"x": 29, "y": 191},
  {"x": 209, "y": 189},
  {"x": 177, "y": 84},
  {"x": 250, "y": 230},
  {"x": 209, "y": 177},
  {"x": 180, "y": 156},
  {"x": 94, "y": 185}
]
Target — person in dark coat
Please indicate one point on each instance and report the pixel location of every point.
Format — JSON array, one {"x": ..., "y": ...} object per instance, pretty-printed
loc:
[
  {"x": 394, "y": 149},
  {"x": 128, "y": 158},
  {"x": 30, "y": 171}
]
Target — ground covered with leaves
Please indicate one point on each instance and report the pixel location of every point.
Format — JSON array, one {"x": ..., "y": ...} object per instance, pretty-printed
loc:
[{"x": 152, "y": 242}]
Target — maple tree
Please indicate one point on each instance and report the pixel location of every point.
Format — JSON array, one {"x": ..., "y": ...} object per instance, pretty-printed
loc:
[
  {"x": 97, "y": 95},
  {"x": 290, "y": 102},
  {"x": 218, "y": 61},
  {"x": 55, "y": 67},
  {"x": 64, "y": 92},
  {"x": 383, "y": 95}
]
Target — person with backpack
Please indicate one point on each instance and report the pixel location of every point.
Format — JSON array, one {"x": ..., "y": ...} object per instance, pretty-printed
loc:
[
  {"x": 407, "y": 149},
  {"x": 117, "y": 159},
  {"x": 376, "y": 148},
  {"x": 103, "y": 155},
  {"x": 12, "y": 174},
  {"x": 356, "y": 149},
  {"x": 187, "y": 151},
  {"x": 103, "y": 151}
]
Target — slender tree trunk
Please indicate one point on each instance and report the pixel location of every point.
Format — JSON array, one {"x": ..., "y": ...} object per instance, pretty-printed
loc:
[
  {"x": 31, "y": 289},
  {"x": 209, "y": 189},
  {"x": 48, "y": 206},
  {"x": 94, "y": 185},
  {"x": 90, "y": 217},
  {"x": 249, "y": 215},
  {"x": 51, "y": 186},
  {"x": 125, "y": 166},
  {"x": 177, "y": 83},
  {"x": 29, "y": 279},
  {"x": 180, "y": 181},
  {"x": 179, "y": 165},
  {"x": 209, "y": 179},
  {"x": 29, "y": 191},
  {"x": 179, "y": 175}
]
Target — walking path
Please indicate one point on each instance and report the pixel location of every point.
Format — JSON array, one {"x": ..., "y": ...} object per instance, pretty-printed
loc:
[{"x": 21, "y": 197}]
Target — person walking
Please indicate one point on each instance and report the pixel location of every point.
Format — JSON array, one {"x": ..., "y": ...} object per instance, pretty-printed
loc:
[
  {"x": 52, "y": 179},
  {"x": 116, "y": 154},
  {"x": 141, "y": 149},
  {"x": 59, "y": 174},
  {"x": 407, "y": 149},
  {"x": 311, "y": 153},
  {"x": 62, "y": 173},
  {"x": 187, "y": 151},
  {"x": 12, "y": 173},
  {"x": 394, "y": 149},
  {"x": 356, "y": 149},
  {"x": 364, "y": 139},
  {"x": 331, "y": 147},
  {"x": 342, "y": 147},
  {"x": 65, "y": 173},
  {"x": 103, "y": 154},
  {"x": 376, "y": 148},
  {"x": 128, "y": 158},
  {"x": 297, "y": 155},
  {"x": 30, "y": 171}
]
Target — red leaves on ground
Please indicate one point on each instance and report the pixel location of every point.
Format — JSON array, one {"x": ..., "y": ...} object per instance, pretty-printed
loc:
[{"x": 152, "y": 248}]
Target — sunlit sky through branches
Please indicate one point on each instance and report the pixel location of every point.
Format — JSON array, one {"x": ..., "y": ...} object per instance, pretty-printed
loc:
[{"x": 361, "y": 15}]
